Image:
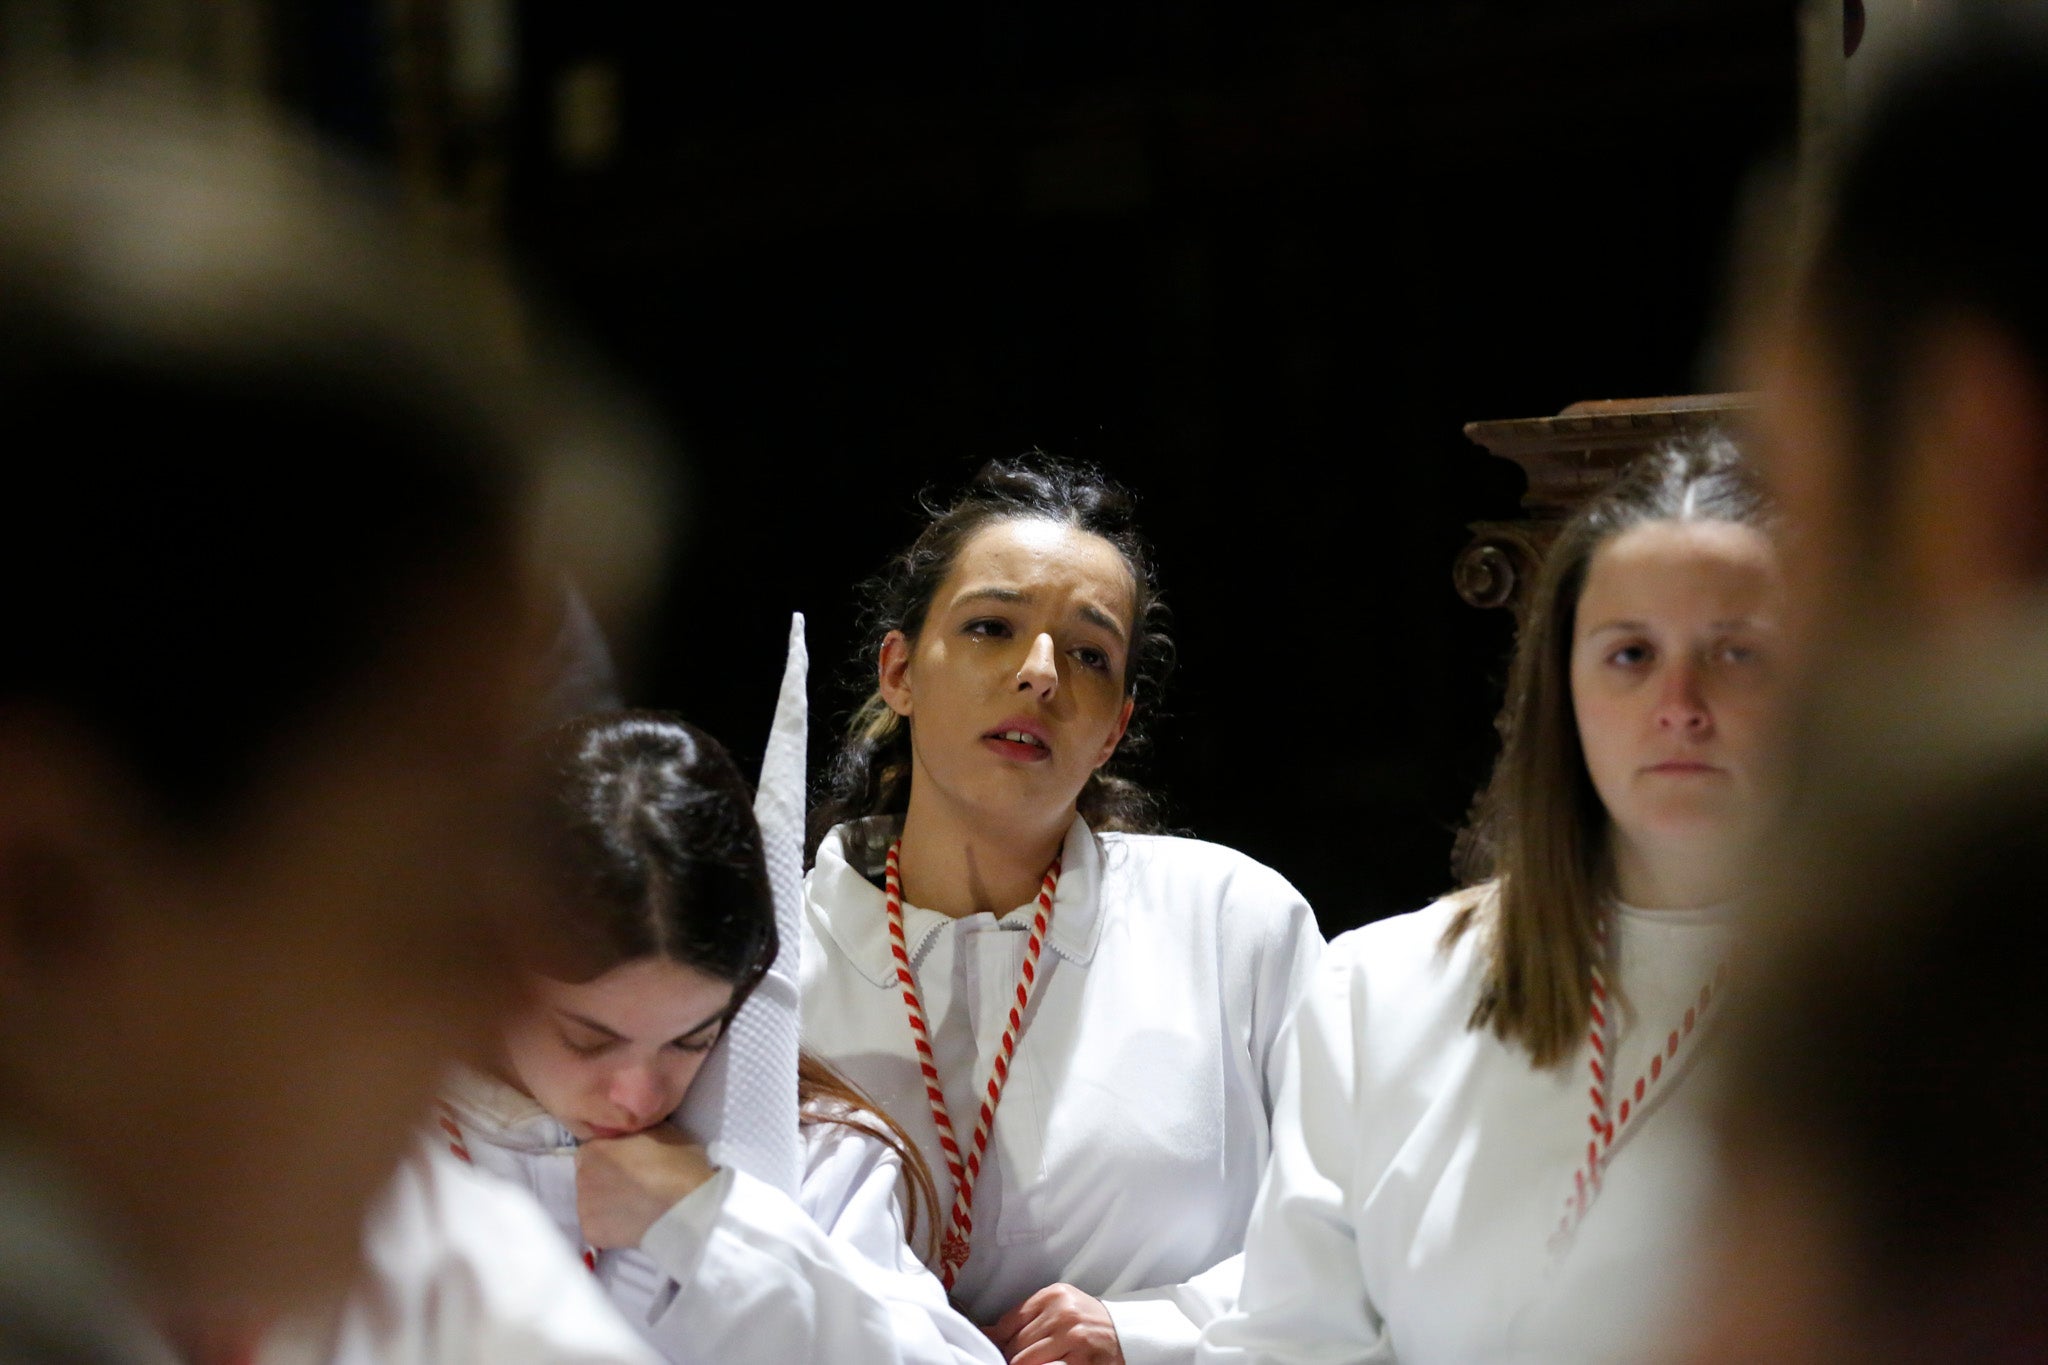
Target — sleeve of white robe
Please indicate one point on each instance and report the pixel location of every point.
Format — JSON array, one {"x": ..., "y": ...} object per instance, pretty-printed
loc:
[
  {"x": 853, "y": 1188},
  {"x": 1303, "y": 1299},
  {"x": 464, "y": 1267},
  {"x": 757, "y": 1278},
  {"x": 1160, "y": 1325}
]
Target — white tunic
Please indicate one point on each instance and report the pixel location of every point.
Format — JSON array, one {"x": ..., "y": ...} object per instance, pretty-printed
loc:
[
  {"x": 1132, "y": 1133},
  {"x": 1420, "y": 1168},
  {"x": 737, "y": 1271},
  {"x": 463, "y": 1267}
]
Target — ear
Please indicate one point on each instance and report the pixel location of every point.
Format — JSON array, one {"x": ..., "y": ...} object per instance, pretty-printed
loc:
[
  {"x": 893, "y": 672},
  {"x": 1116, "y": 733},
  {"x": 1978, "y": 470}
]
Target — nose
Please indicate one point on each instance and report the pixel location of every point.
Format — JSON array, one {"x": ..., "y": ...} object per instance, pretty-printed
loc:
[
  {"x": 1682, "y": 704},
  {"x": 1040, "y": 671},
  {"x": 636, "y": 1092}
]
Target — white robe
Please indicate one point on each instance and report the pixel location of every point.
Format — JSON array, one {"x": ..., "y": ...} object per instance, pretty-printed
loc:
[
  {"x": 1421, "y": 1168},
  {"x": 1132, "y": 1132},
  {"x": 463, "y": 1267},
  {"x": 737, "y": 1271}
]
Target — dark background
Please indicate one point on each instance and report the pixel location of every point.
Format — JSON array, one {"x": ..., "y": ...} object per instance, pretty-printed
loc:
[{"x": 1261, "y": 261}]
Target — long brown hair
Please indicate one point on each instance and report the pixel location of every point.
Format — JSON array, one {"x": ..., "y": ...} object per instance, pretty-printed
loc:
[
  {"x": 871, "y": 773},
  {"x": 1533, "y": 860},
  {"x": 825, "y": 1096}
]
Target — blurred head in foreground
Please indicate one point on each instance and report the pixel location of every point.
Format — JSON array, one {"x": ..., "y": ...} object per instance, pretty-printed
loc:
[
  {"x": 1905, "y": 414},
  {"x": 267, "y": 540},
  {"x": 1889, "y": 1108}
]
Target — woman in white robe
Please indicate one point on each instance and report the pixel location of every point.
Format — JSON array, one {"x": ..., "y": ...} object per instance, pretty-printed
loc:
[
  {"x": 1101, "y": 1003},
  {"x": 668, "y": 925},
  {"x": 1476, "y": 1157}
]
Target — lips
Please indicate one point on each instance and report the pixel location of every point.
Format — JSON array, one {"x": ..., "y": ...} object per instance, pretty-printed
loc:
[
  {"x": 1020, "y": 738},
  {"x": 1682, "y": 766}
]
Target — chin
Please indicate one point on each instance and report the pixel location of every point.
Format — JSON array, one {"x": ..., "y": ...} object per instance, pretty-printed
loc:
[
  {"x": 1712, "y": 823},
  {"x": 1010, "y": 805}
]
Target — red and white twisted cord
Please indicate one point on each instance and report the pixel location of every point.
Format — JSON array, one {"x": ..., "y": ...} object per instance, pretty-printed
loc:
[
  {"x": 1607, "y": 1123},
  {"x": 965, "y": 1172}
]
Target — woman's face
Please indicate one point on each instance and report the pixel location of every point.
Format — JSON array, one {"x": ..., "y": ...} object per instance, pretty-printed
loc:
[
  {"x": 1674, "y": 677},
  {"x": 617, "y": 1054},
  {"x": 1014, "y": 688}
]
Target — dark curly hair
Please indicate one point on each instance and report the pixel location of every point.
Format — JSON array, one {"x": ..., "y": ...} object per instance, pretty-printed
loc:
[{"x": 871, "y": 773}]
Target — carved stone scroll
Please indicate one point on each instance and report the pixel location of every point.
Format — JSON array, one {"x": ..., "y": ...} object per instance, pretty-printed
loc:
[
  {"x": 1493, "y": 570},
  {"x": 1568, "y": 458}
]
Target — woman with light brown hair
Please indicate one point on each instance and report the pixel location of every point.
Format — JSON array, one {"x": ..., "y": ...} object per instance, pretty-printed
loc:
[{"x": 1465, "y": 1083}]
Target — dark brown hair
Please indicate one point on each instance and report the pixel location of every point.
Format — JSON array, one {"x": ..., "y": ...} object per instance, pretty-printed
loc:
[
  {"x": 243, "y": 467},
  {"x": 653, "y": 851},
  {"x": 1533, "y": 858},
  {"x": 871, "y": 773}
]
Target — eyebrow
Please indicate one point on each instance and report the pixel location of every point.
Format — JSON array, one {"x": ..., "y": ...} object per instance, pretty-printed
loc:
[
  {"x": 1731, "y": 623},
  {"x": 1094, "y": 615},
  {"x": 616, "y": 1036}
]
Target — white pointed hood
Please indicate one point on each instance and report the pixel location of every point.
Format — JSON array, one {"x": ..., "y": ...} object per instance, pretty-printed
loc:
[{"x": 743, "y": 1104}]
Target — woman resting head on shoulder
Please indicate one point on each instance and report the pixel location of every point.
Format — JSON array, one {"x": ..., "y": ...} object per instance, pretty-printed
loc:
[
  {"x": 1012, "y": 651},
  {"x": 664, "y": 925},
  {"x": 1472, "y": 1079}
]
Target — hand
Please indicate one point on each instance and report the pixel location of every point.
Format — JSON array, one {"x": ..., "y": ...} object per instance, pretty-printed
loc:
[
  {"x": 1058, "y": 1323},
  {"x": 624, "y": 1184}
]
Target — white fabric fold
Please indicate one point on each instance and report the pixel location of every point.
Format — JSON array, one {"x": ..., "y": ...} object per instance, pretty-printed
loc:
[{"x": 743, "y": 1104}]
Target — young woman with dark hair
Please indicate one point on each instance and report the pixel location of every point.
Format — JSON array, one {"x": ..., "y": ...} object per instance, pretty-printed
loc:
[
  {"x": 667, "y": 924},
  {"x": 1465, "y": 1083},
  {"x": 1072, "y": 1015}
]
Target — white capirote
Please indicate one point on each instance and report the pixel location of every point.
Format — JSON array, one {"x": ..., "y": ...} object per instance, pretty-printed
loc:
[
  {"x": 462, "y": 1267},
  {"x": 1421, "y": 1167},
  {"x": 737, "y": 1271},
  {"x": 1132, "y": 1132},
  {"x": 743, "y": 1103}
]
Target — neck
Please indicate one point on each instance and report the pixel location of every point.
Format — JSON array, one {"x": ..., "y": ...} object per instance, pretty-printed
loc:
[
  {"x": 1676, "y": 878},
  {"x": 958, "y": 868}
]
